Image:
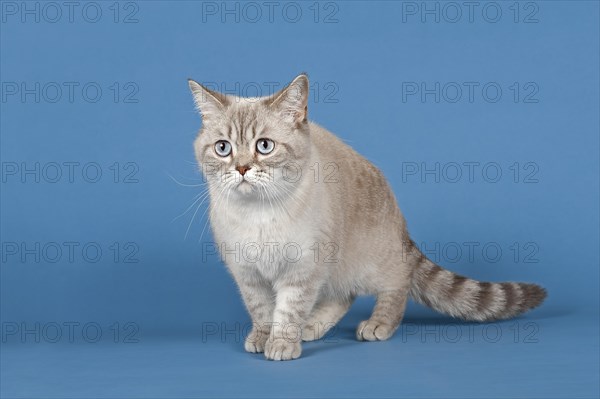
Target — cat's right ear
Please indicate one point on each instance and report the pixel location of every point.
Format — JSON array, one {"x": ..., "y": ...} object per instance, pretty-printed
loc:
[{"x": 208, "y": 102}]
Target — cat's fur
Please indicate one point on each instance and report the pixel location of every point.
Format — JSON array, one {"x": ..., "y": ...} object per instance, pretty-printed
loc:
[{"x": 302, "y": 245}]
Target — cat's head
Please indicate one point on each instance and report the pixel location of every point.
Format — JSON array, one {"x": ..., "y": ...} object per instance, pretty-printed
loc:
[{"x": 253, "y": 147}]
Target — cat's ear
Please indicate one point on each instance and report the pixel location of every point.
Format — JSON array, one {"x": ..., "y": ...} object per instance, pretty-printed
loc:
[
  {"x": 292, "y": 101},
  {"x": 208, "y": 102}
]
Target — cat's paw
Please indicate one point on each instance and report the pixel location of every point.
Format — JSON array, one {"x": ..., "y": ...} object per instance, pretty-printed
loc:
[
  {"x": 282, "y": 349},
  {"x": 370, "y": 330},
  {"x": 255, "y": 341}
]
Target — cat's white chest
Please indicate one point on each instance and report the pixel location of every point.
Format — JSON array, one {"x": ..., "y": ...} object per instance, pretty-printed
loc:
[{"x": 266, "y": 244}]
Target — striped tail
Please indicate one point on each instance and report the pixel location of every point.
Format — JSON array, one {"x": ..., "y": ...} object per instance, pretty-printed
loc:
[{"x": 469, "y": 299}]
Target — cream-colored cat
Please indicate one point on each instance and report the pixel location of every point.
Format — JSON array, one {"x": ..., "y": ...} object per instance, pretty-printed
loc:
[{"x": 308, "y": 224}]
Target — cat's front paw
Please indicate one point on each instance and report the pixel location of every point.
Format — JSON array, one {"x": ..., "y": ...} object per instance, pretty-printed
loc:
[
  {"x": 282, "y": 349},
  {"x": 370, "y": 330},
  {"x": 256, "y": 340}
]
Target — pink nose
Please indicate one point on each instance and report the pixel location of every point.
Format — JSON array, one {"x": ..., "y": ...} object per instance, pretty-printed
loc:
[{"x": 242, "y": 169}]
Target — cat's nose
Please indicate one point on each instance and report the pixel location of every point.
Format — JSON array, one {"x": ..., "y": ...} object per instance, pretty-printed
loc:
[{"x": 242, "y": 169}]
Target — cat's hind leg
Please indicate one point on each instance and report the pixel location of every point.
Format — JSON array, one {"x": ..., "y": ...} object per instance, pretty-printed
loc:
[
  {"x": 386, "y": 317},
  {"x": 324, "y": 316}
]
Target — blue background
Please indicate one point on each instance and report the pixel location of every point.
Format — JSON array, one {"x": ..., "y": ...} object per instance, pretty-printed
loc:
[{"x": 357, "y": 64}]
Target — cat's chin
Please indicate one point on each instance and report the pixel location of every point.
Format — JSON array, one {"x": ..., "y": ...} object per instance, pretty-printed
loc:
[{"x": 245, "y": 188}]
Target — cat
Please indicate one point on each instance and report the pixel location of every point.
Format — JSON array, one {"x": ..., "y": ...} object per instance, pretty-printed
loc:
[{"x": 306, "y": 224}]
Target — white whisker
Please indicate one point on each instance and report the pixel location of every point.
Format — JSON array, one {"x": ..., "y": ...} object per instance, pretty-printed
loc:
[{"x": 199, "y": 197}]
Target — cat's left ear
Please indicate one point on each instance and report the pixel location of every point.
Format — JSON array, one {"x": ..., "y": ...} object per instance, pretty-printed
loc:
[{"x": 292, "y": 100}]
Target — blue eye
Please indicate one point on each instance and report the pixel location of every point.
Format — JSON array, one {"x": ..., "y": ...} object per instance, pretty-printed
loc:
[
  {"x": 223, "y": 148},
  {"x": 265, "y": 146}
]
